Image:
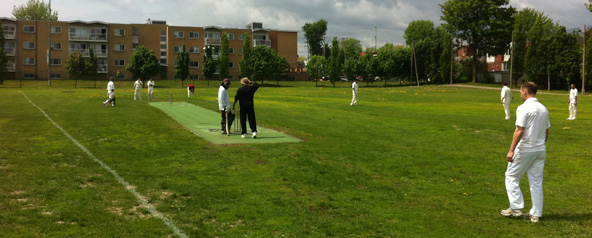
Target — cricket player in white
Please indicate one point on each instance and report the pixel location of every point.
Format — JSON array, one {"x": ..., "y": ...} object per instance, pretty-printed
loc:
[
  {"x": 138, "y": 86},
  {"x": 573, "y": 102},
  {"x": 507, "y": 97},
  {"x": 354, "y": 92},
  {"x": 527, "y": 154},
  {"x": 110, "y": 93},
  {"x": 150, "y": 89},
  {"x": 224, "y": 105}
]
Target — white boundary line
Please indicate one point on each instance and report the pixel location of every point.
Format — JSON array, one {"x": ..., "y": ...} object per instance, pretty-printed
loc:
[{"x": 122, "y": 181}]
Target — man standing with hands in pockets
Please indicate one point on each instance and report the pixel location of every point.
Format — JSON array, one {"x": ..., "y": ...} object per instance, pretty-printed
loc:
[
  {"x": 527, "y": 154},
  {"x": 244, "y": 95}
]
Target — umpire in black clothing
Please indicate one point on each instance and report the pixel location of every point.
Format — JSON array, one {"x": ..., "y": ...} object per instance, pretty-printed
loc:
[{"x": 244, "y": 95}]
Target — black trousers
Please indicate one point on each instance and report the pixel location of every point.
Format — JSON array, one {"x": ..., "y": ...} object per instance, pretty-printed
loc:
[
  {"x": 230, "y": 120},
  {"x": 248, "y": 112}
]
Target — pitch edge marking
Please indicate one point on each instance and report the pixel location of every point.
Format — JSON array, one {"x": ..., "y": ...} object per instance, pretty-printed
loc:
[{"x": 122, "y": 181}]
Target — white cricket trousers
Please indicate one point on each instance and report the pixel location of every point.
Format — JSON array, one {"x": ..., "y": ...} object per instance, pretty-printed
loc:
[
  {"x": 354, "y": 99},
  {"x": 138, "y": 93},
  {"x": 532, "y": 163},
  {"x": 150, "y": 93},
  {"x": 573, "y": 110},
  {"x": 507, "y": 108}
]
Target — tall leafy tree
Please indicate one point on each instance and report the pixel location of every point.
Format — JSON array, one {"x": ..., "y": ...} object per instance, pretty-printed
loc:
[
  {"x": 76, "y": 65},
  {"x": 91, "y": 63},
  {"x": 245, "y": 64},
  {"x": 316, "y": 67},
  {"x": 266, "y": 63},
  {"x": 352, "y": 48},
  {"x": 314, "y": 34},
  {"x": 351, "y": 64},
  {"x": 419, "y": 34},
  {"x": 209, "y": 65},
  {"x": 3, "y": 59},
  {"x": 34, "y": 10},
  {"x": 143, "y": 63},
  {"x": 403, "y": 64},
  {"x": 223, "y": 60},
  {"x": 182, "y": 65},
  {"x": 524, "y": 22},
  {"x": 387, "y": 62},
  {"x": 485, "y": 26},
  {"x": 335, "y": 62}
]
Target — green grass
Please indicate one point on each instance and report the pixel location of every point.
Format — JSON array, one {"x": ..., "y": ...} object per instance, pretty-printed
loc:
[{"x": 406, "y": 162}]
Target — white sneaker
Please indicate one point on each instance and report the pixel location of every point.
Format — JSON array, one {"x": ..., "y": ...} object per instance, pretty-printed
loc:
[
  {"x": 255, "y": 135},
  {"x": 512, "y": 212},
  {"x": 534, "y": 219},
  {"x": 243, "y": 136}
]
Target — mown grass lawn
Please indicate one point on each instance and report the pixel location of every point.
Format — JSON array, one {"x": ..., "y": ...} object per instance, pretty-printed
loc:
[{"x": 406, "y": 162}]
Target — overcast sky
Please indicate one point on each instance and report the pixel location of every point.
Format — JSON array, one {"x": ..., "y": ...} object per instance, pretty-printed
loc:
[{"x": 346, "y": 18}]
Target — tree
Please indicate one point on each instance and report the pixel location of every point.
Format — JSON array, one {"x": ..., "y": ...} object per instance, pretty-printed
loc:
[
  {"x": 143, "y": 63},
  {"x": 209, "y": 65},
  {"x": 485, "y": 26},
  {"x": 352, "y": 48},
  {"x": 351, "y": 64},
  {"x": 245, "y": 64},
  {"x": 76, "y": 65},
  {"x": 403, "y": 64},
  {"x": 335, "y": 64},
  {"x": 34, "y": 10},
  {"x": 91, "y": 63},
  {"x": 3, "y": 59},
  {"x": 387, "y": 62},
  {"x": 223, "y": 59},
  {"x": 266, "y": 62},
  {"x": 419, "y": 34},
  {"x": 589, "y": 5},
  {"x": 316, "y": 67},
  {"x": 314, "y": 34},
  {"x": 182, "y": 65}
]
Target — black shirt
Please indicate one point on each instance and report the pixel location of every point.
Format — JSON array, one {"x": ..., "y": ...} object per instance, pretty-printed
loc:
[{"x": 244, "y": 95}]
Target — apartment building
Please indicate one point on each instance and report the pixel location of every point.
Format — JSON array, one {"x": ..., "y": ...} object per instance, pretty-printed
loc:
[{"x": 27, "y": 44}]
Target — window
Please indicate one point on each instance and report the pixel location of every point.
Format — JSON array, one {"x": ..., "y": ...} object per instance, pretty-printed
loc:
[
  {"x": 163, "y": 33},
  {"x": 231, "y": 65},
  {"x": 179, "y": 34},
  {"x": 162, "y": 38},
  {"x": 136, "y": 32},
  {"x": 56, "y": 61},
  {"x": 119, "y": 32},
  {"x": 120, "y": 76},
  {"x": 240, "y": 51},
  {"x": 230, "y": 36},
  {"x": 28, "y": 45},
  {"x": 119, "y": 47},
  {"x": 29, "y": 76},
  {"x": 119, "y": 63},
  {"x": 56, "y": 30},
  {"x": 163, "y": 47},
  {"x": 56, "y": 45},
  {"x": 194, "y": 49},
  {"x": 98, "y": 33},
  {"x": 29, "y": 29},
  {"x": 163, "y": 54},
  {"x": 213, "y": 35},
  {"x": 230, "y": 51},
  {"x": 29, "y": 61},
  {"x": 193, "y": 64},
  {"x": 193, "y": 35},
  {"x": 163, "y": 61},
  {"x": 178, "y": 49},
  {"x": 194, "y": 76},
  {"x": 56, "y": 76},
  {"x": 241, "y": 36},
  {"x": 78, "y": 33}
]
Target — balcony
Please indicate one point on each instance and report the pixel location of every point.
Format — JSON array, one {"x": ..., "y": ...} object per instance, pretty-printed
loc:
[
  {"x": 10, "y": 67},
  {"x": 10, "y": 51},
  {"x": 82, "y": 52},
  {"x": 101, "y": 53},
  {"x": 88, "y": 37},
  {"x": 9, "y": 34},
  {"x": 213, "y": 41},
  {"x": 261, "y": 42},
  {"x": 102, "y": 69}
]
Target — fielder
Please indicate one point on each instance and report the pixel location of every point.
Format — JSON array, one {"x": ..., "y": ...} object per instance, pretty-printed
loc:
[
  {"x": 138, "y": 86},
  {"x": 573, "y": 102},
  {"x": 354, "y": 92},
  {"x": 506, "y": 97},
  {"x": 224, "y": 106},
  {"x": 190, "y": 90},
  {"x": 110, "y": 93},
  {"x": 150, "y": 89},
  {"x": 527, "y": 154}
]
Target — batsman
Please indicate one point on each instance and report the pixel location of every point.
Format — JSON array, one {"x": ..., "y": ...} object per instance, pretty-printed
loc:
[{"x": 224, "y": 106}]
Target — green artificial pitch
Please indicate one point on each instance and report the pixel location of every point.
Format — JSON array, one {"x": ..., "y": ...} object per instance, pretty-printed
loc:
[{"x": 206, "y": 124}]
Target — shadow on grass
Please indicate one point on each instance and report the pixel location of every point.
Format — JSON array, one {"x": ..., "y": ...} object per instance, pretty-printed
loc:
[{"x": 568, "y": 217}]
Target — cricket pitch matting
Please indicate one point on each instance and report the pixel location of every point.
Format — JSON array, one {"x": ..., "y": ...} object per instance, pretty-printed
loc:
[{"x": 206, "y": 124}]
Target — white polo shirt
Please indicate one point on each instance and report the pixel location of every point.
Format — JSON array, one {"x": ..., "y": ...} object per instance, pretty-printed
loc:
[
  {"x": 534, "y": 117},
  {"x": 573, "y": 93}
]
